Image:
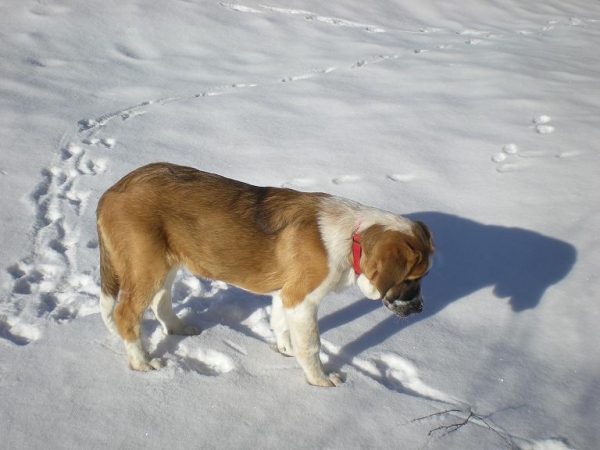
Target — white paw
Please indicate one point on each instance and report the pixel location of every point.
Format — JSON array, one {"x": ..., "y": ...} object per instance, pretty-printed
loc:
[
  {"x": 332, "y": 380},
  {"x": 146, "y": 366},
  {"x": 336, "y": 379}
]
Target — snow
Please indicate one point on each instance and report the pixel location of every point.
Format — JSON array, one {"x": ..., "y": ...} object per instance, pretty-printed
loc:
[{"x": 479, "y": 119}]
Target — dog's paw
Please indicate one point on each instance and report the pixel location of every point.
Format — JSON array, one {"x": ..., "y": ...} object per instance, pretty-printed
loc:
[
  {"x": 146, "y": 366},
  {"x": 333, "y": 380}
]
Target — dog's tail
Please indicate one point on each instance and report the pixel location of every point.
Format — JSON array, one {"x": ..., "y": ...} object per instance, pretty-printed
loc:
[{"x": 109, "y": 283}]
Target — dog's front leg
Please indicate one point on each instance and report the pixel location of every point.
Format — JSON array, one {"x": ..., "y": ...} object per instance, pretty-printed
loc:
[{"x": 304, "y": 331}]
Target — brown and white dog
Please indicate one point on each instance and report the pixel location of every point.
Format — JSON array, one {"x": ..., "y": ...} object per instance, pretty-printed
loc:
[{"x": 292, "y": 245}]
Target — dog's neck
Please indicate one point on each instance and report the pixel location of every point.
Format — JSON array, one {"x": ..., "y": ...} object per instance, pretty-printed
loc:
[{"x": 341, "y": 220}]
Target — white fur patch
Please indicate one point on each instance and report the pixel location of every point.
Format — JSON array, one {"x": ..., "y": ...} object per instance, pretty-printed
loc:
[
  {"x": 339, "y": 220},
  {"x": 107, "y": 307},
  {"x": 280, "y": 327},
  {"x": 138, "y": 359},
  {"x": 367, "y": 288}
]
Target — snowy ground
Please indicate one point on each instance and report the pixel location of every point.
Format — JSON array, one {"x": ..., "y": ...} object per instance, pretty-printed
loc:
[{"x": 480, "y": 119}]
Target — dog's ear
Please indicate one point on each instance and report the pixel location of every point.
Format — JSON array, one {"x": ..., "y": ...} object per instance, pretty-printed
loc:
[
  {"x": 394, "y": 264},
  {"x": 426, "y": 233},
  {"x": 388, "y": 257}
]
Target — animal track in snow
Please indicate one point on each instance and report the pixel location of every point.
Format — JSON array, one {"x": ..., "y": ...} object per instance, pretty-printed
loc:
[
  {"x": 131, "y": 114},
  {"x": 541, "y": 124},
  {"x": 474, "y": 41},
  {"x": 17, "y": 333},
  {"x": 510, "y": 152},
  {"x": 345, "y": 179},
  {"x": 47, "y": 282},
  {"x": 296, "y": 183},
  {"x": 476, "y": 37},
  {"x": 108, "y": 142},
  {"x": 373, "y": 60},
  {"x": 553, "y": 24},
  {"x": 89, "y": 128},
  {"x": 402, "y": 373},
  {"x": 509, "y": 149},
  {"x": 239, "y": 8},
  {"x": 569, "y": 154},
  {"x": 299, "y": 183},
  {"x": 402, "y": 177},
  {"x": 575, "y": 21},
  {"x": 210, "y": 362},
  {"x": 307, "y": 75},
  {"x": 391, "y": 370},
  {"x": 205, "y": 362},
  {"x": 471, "y": 32},
  {"x": 216, "y": 91},
  {"x": 328, "y": 20},
  {"x": 507, "y": 154}
]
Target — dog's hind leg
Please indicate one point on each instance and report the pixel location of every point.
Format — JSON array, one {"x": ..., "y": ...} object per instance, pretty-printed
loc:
[
  {"x": 128, "y": 315},
  {"x": 163, "y": 310},
  {"x": 280, "y": 327},
  {"x": 109, "y": 285},
  {"x": 144, "y": 278}
]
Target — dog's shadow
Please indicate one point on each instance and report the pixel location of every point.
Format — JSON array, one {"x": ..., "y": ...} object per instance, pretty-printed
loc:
[{"x": 520, "y": 264}]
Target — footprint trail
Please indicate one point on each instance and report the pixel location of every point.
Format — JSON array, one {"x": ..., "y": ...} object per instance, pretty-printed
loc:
[{"x": 47, "y": 283}]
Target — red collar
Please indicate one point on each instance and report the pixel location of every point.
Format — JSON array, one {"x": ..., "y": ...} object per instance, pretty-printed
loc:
[{"x": 356, "y": 253}]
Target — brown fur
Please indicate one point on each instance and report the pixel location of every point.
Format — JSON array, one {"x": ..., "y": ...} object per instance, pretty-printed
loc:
[
  {"x": 162, "y": 215},
  {"x": 392, "y": 257},
  {"x": 262, "y": 239},
  {"x": 395, "y": 263}
]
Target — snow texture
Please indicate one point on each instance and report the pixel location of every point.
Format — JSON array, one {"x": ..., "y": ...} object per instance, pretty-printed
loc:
[{"x": 479, "y": 118}]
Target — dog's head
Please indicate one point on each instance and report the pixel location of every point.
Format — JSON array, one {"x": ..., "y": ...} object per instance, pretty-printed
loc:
[{"x": 393, "y": 264}]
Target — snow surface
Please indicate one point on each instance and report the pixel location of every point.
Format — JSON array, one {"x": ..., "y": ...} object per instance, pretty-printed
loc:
[{"x": 478, "y": 117}]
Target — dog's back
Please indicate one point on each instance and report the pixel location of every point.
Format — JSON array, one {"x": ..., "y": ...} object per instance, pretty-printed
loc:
[{"x": 184, "y": 216}]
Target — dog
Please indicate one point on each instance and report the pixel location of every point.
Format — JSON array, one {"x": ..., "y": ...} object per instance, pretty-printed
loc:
[{"x": 294, "y": 246}]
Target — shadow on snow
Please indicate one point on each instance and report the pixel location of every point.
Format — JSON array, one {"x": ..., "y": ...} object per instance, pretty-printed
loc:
[{"x": 520, "y": 264}]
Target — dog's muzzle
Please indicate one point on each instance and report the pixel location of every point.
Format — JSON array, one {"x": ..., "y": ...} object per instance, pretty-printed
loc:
[{"x": 404, "y": 308}]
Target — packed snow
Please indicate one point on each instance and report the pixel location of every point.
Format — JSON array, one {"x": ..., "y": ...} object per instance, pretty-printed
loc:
[{"x": 480, "y": 118}]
